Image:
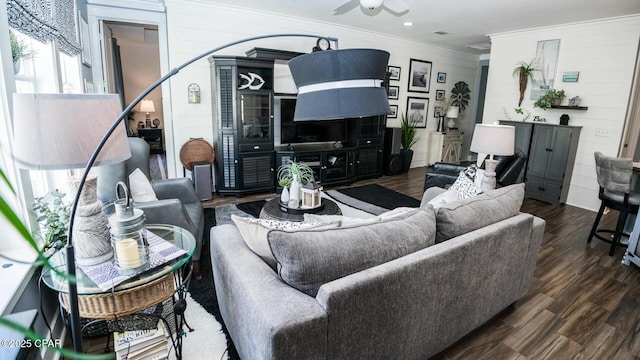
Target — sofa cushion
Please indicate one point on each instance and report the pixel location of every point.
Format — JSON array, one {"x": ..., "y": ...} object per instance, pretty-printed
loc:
[
  {"x": 462, "y": 216},
  {"x": 255, "y": 231},
  {"x": 309, "y": 258}
]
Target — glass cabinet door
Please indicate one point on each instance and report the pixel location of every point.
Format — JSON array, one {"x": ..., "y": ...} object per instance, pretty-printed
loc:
[{"x": 255, "y": 118}]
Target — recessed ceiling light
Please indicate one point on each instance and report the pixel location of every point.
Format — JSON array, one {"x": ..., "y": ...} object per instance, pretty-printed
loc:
[
  {"x": 440, "y": 32},
  {"x": 407, "y": 23}
]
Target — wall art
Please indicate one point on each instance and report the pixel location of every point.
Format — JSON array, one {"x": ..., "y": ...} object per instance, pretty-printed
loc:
[{"x": 419, "y": 75}]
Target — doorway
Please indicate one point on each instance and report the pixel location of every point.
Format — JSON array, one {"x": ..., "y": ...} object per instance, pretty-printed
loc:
[{"x": 131, "y": 63}]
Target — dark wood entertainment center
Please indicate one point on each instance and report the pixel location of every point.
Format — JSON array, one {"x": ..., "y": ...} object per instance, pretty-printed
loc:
[{"x": 243, "y": 124}]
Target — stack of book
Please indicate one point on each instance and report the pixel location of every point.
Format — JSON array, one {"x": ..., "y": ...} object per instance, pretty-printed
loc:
[{"x": 142, "y": 344}]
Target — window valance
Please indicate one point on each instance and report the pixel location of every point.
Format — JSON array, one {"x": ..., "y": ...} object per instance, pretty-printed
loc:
[{"x": 46, "y": 20}]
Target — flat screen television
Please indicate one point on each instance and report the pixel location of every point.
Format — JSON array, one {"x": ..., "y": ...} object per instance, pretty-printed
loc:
[{"x": 306, "y": 131}]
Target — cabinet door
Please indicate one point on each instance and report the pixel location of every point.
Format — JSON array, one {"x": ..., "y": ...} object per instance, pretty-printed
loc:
[
  {"x": 255, "y": 120},
  {"x": 368, "y": 160},
  {"x": 558, "y": 155},
  {"x": 540, "y": 148},
  {"x": 335, "y": 166},
  {"x": 257, "y": 171}
]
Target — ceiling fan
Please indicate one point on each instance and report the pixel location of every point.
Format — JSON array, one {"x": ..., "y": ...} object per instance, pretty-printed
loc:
[{"x": 394, "y": 6}]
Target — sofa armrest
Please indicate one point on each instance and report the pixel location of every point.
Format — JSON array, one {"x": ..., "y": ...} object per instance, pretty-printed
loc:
[
  {"x": 266, "y": 318},
  {"x": 177, "y": 188}
]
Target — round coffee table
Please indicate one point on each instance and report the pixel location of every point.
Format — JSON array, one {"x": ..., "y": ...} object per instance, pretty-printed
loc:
[{"x": 272, "y": 210}]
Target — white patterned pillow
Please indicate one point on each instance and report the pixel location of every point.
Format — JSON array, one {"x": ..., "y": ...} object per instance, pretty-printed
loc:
[
  {"x": 255, "y": 233},
  {"x": 465, "y": 187}
]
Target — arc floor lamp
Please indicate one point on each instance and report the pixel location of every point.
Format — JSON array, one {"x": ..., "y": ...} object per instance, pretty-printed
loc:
[{"x": 332, "y": 84}]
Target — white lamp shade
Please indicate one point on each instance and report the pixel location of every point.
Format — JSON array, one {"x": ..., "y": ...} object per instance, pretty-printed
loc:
[
  {"x": 453, "y": 112},
  {"x": 493, "y": 139},
  {"x": 147, "y": 106},
  {"x": 61, "y": 131}
]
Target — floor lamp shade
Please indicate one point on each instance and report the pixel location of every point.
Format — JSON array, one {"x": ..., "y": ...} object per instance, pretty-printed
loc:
[
  {"x": 338, "y": 84},
  {"x": 61, "y": 131}
]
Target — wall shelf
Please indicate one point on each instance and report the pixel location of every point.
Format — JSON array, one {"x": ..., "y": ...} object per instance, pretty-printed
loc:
[{"x": 569, "y": 107}]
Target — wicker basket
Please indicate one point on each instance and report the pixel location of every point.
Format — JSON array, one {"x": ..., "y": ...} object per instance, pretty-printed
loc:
[{"x": 126, "y": 302}]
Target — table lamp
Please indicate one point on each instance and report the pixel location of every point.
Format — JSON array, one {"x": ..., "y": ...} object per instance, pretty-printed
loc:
[
  {"x": 452, "y": 113},
  {"x": 108, "y": 144},
  {"x": 492, "y": 140},
  {"x": 147, "y": 107}
]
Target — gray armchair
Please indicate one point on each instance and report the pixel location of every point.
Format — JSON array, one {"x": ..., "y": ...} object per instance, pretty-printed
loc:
[{"x": 177, "y": 204}]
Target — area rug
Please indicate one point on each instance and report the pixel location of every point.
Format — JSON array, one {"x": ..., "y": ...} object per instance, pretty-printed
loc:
[{"x": 371, "y": 199}]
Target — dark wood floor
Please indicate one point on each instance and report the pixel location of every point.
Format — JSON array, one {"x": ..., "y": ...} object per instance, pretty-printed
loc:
[{"x": 582, "y": 304}]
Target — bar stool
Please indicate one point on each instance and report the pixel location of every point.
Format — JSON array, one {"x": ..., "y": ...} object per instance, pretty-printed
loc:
[{"x": 614, "y": 178}]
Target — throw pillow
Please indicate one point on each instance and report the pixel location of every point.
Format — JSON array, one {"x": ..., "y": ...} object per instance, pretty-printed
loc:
[
  {"x": 443, "y": 198},
  {"x": 140, "y": 187},
  {"x": 307, "y": 259},
  {"x": 463, "y": 216},
  {"x": 255, "y": 233},
  {"x": 465, "y": 187}
]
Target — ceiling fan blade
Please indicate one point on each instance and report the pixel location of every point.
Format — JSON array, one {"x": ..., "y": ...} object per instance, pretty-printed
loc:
[
  {"x": 346, "y": 7},
  {"x": 397, "y": 6}
]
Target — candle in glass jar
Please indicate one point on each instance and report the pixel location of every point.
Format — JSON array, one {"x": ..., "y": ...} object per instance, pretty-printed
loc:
[{"x": 127, "y": 253}]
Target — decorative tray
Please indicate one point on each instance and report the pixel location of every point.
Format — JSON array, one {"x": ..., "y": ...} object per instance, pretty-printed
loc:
[{"x": 301, "y": 210}]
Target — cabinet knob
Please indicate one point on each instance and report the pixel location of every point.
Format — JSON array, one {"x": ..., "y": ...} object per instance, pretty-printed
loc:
[
  {"x": 548, "y": 149},
  {"x": 540, "y": 188},
  {"x": 256, "y": 147}
]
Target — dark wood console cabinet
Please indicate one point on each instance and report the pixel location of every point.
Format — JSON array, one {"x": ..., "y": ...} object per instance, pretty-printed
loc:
[{"x": 153, "y": 137}]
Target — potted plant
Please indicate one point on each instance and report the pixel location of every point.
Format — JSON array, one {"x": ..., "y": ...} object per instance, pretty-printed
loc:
[
  {"x": 409, "y": 136},
  {"x": 19, "y": 50},
  {"x": 53, "y": 216},
  {"x": 295, "y": 175},
  {"x": 552, "y": 97},
  {"x": 524, "y": 72}
]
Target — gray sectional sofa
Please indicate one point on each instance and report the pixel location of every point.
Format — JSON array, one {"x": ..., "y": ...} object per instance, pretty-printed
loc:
[{"x": 403, "y": 287}]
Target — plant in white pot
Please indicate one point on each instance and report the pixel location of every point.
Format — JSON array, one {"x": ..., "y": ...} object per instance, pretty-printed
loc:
[
  {"x": 409, "y": 137},
  {"x": 297, "y": 175}
]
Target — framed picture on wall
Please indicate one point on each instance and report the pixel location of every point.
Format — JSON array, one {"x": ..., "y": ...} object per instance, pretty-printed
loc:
[
  {"x": 442, "y": 77},
  {"x": 85, "y": 54},
  {"x": 419, "y": 75},
  {"x": 394, "y": 72},
  {"x": 440, "y": 95},
  {"x": 392, "y": 94},
  {"x": 417, "y": 110},
  {"x": 394, "y": 112}
]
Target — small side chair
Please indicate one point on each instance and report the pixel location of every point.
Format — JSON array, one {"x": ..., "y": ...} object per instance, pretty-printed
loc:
[{"x": 614, "y": 178}]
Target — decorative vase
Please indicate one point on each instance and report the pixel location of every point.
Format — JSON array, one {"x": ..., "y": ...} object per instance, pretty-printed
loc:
[
  {"x": 407, "y": 157},
  {"x": 91, "y": 236},
  {"x": 557, "y": 101},
  {"x": 294, "y": 194},
  {"x": 16, "y": 66},
  {"x": 284, "y": 196}
]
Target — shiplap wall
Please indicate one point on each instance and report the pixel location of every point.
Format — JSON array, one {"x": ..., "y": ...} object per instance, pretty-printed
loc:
[
  {"x": 194, "y": 27},
  {"x": 604, "y": 52}
]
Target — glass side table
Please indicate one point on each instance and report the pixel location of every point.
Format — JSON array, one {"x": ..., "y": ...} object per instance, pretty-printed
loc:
[{"x": 138, "y": 293}]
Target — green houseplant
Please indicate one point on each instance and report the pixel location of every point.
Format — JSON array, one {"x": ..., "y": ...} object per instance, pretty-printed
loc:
[
  {"x": 524, "y": 71},
  {"x": 292, "y": 176},
  {"x": 53, "y": 215},
  {"x": 409, "y": 137},
  {"x": 19, "y": 50},
  {"x": 552, "y": 97}
]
